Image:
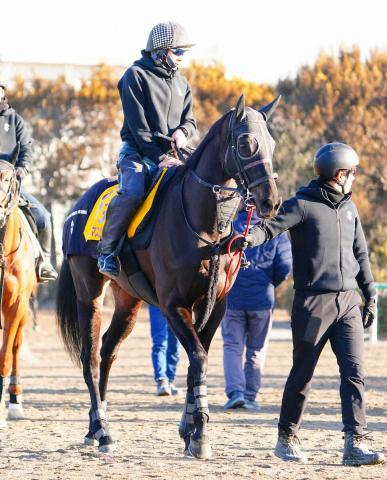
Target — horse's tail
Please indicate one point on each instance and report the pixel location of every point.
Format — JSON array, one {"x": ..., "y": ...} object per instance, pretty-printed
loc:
[{"x": 67, "y": 313}]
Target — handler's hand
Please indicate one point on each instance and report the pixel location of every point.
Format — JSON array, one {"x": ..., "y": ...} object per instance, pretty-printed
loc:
[
  {"x": 170, "y": 162},
  {"x": 180, "y": 138},
  {"x": 369, "y": 312}
]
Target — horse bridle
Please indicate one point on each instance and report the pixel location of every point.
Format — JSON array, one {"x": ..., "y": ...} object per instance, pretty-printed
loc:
[
  {"x": 241, "y": 168},
  {"x": 241, "y": 175}
]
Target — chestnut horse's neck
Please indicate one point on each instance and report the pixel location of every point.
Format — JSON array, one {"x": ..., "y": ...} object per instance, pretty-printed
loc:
[{"x": 13, "y": 233}]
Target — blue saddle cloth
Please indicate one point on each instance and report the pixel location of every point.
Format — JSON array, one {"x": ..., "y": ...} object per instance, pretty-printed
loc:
[{"x": 74, "y": 242}]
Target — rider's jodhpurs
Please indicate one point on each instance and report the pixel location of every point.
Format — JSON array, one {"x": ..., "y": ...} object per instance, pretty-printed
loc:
[
  {"x": 131, "y": 190},
  {"x": 317, "y": 318}
]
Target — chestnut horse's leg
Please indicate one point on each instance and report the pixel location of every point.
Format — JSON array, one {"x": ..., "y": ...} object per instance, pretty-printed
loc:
[
  {"x": 15, "y": 409},
  {"x": 15, "y": 313},
  {"x": 89, "y": 287},
  {"x": 123, "y": 321},
  {"x": 180, "y": 320}
]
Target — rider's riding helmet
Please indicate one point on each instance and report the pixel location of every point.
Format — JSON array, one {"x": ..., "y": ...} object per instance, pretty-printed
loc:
[
  {"x": 168, "y": 35},
  {"x": 332, "y": 157}
]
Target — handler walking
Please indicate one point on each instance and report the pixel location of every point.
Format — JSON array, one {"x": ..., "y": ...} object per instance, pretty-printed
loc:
[{"x": 330, "y": 260}]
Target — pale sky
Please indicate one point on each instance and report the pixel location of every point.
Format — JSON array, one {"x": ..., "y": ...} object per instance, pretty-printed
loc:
[{"x": 257, "y": 40}]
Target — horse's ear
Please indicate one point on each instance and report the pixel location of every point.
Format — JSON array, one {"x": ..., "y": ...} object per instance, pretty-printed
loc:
[
  {"x": 15, "y": 154},
  {"x": 269, "y": 109},
  {"x": 240, "y": 109}
]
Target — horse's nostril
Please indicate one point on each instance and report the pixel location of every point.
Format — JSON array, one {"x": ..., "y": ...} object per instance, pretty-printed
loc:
[{"x": 267, "y": 205}]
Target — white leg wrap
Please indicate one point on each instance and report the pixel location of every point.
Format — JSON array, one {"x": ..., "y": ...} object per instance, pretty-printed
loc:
[
  {"x": 202, "y": 402},
  {"x": 200, "y": 390},
  {"x": 100, "y": 433},
  {"x": 190, "y": 408},
  {"x": 15, "y": 411}
]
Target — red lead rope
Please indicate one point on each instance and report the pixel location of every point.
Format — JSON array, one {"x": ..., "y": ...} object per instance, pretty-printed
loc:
[{"x": 238, "y": 252}]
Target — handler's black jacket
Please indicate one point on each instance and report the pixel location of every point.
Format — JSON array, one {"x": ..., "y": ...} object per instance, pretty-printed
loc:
[
  {"x": 154, "y": 99},
  {"x": 328, "y": 244},
  {"x": 13, "y": 130}
]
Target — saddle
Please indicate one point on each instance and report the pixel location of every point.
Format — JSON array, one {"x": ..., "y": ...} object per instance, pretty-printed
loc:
[{"x": 31, "y": 228}]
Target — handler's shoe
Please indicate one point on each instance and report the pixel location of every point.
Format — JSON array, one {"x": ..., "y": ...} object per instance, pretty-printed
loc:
[
  {"x": 288, "y": 448},
  {"x": 163, "y": 388},
  {"x": 236, "y": 400},
  {"x": 357, "y": 453}
]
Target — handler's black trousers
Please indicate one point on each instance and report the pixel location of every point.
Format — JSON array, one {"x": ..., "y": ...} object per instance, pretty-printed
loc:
[{"x": 317, "y": 318}]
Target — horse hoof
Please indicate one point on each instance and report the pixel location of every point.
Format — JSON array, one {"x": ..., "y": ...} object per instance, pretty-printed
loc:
[
  {"x": 109, "y": 448},
  {"x": 89, "y": 441},
  {"x": 199, "y": 450},
  {"x": 15, "y": 411}
]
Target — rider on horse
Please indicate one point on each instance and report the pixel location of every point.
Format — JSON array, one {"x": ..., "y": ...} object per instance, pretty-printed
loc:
[
  {"x": 13, "y": 131},
  {"x": 155, "y": 98}
]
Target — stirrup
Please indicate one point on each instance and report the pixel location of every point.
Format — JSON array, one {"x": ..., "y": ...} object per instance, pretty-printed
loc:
[{"x": 40, "y": 272}]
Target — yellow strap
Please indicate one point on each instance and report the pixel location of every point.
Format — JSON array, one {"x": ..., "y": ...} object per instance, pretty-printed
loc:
[{"x": 145, "y": 207}]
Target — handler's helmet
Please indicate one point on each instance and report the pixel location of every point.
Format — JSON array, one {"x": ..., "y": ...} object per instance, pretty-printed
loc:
[
  {"x": 168, "y": 35},
  {"x": 333, "y": 157}
]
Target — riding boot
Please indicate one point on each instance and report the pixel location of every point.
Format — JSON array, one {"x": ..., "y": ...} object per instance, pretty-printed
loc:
[
  {"x": 45, "y": 270},
  {"x": 118, "y": 216}
]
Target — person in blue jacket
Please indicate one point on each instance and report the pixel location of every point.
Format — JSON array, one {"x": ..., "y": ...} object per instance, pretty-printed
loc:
[{"x": 248, "y": 318}]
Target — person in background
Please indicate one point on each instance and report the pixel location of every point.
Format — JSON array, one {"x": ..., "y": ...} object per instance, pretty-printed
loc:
[
  {"x": 247, "y": 322},
  {"x": 13, "y": 131},
  {"x": 165, "y": 353}
]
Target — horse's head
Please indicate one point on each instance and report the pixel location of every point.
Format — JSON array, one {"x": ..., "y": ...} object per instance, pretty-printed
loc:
[
  {"x": 249, "y": 160},
  {"x": 8, "y": 183}
]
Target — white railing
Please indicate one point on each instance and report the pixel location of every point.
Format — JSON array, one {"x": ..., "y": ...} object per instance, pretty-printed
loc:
[{"x": 373, "y": 330}]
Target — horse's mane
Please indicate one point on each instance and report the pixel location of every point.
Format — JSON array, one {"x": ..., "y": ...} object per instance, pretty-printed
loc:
[{"x": 213, "y": 131}]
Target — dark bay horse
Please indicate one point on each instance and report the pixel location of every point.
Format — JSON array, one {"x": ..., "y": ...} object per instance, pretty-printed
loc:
[
  {"x": 186, "y": 262},
  {"x": 17, "y": 281}
]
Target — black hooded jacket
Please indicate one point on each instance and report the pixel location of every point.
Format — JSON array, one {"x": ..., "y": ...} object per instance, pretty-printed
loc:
[
  {"x": 13, "y": 130},
  {"x": 154, "y": 99},
  {"x": 328, "y": 243}
]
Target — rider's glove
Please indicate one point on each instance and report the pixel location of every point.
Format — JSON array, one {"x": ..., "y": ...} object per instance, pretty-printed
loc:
[
  {"x": 180, "y": 138},
  {"x": 21, "y": 173},
  {"x": 169, "y": 161},
  {"x": 369, "y": 312}
]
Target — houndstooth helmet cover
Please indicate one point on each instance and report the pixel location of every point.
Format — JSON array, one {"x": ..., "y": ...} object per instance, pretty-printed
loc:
[{"x": 168, "y": 35}]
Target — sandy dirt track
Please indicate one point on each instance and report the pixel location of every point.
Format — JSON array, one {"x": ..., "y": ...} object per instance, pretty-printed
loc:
[{"x": 48, "y": 443}]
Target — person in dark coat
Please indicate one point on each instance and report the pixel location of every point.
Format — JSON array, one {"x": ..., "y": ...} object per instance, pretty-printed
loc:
[
  {"x": 12, "y": 131},
  {"x": 155, "y": 98},
  {"x": 330, "y": 261},
  {"x": 248, "y": 318}
]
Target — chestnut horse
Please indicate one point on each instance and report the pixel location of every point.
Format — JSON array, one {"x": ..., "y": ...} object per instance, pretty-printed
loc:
[
  {"x": 17, "y": 281},
  {"x": 187, "y": 264}
]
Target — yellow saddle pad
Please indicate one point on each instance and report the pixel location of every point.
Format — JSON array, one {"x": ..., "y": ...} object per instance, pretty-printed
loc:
[{"x": 97, "y": 218}]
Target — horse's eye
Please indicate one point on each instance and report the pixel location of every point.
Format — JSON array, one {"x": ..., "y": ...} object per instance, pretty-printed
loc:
[{"x": 247, "y": 146}]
